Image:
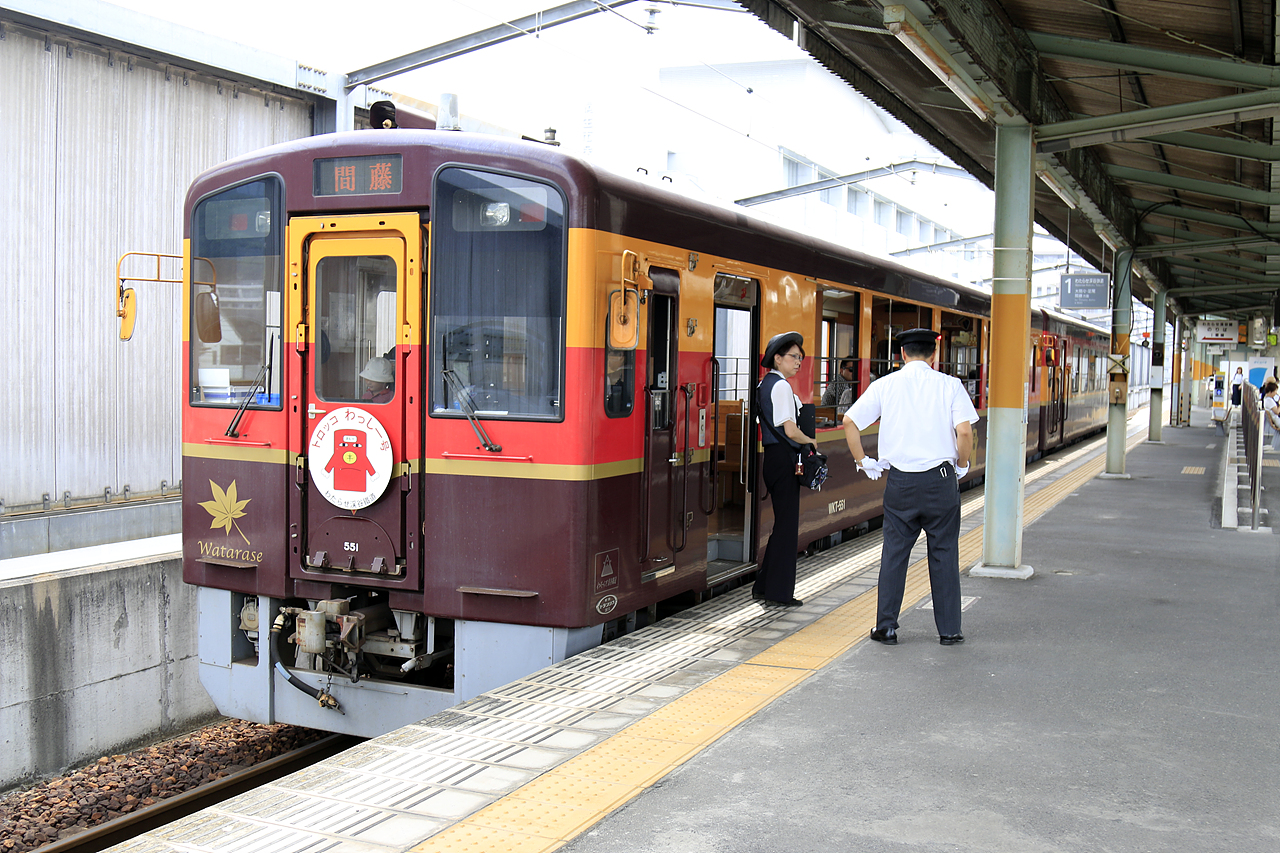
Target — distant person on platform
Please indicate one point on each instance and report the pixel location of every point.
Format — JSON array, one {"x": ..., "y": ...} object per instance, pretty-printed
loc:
[
  {"x": 1270, "y": 396},
  {"x": 926, "y": 438},
  {"x": 839, "y": 391},
  {"x": 1237, "y": 386},
  {"x": 379, "y": 377}
]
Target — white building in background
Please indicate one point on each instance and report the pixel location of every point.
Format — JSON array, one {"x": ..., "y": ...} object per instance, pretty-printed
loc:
[{"x": 807, "y": 126}]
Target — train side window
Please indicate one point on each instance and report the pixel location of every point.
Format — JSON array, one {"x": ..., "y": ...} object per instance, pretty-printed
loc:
[
  {"x": 1075, "y": 374},
  {"x": 237, "y": 231},
  {"x": 619, "y": 382}
]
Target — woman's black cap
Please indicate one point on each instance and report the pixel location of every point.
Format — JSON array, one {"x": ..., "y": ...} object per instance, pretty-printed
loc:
[{"x": 780, "y": 344}]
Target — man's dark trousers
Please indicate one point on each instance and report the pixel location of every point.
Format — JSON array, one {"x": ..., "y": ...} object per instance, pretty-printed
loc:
[{"x": 915, "y": 501}]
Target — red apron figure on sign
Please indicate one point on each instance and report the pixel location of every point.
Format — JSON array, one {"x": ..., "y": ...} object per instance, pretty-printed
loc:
[{"x": 349, "y": 464}]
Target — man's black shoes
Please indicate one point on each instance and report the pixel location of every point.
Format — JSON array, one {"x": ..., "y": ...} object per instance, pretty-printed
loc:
[
  {"x": 887, "y": 636},
  {"x": 951, "y": 639}
]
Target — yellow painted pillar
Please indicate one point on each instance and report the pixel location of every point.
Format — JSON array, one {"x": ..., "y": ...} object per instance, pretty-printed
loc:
[{"x": 1010, "y": 335}]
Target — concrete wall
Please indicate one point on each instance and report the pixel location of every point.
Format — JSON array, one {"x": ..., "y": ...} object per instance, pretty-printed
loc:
[{"x": 95, "y": 661}]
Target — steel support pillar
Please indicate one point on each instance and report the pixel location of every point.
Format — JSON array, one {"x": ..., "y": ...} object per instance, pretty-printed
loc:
[
  {"x": 1157, "y": 368},
  {"x": 1006, "y": 457},
  {"x": 1186, "y": 341},
  {"x": 1118, "y": 369}
]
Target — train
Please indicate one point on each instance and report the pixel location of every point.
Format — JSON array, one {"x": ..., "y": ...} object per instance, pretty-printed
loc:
[{"x": 458, "y": 406}]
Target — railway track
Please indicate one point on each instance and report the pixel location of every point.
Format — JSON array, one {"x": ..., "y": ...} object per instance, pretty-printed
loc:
[{"x": 128, "y": 826}]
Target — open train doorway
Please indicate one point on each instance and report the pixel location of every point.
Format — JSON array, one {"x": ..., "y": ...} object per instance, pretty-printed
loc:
[{"x": 730, "y": 537}]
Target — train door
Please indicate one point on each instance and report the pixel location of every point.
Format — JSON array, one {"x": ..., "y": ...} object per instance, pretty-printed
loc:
[
  {"x": 1051, "y": 434},
  {"x": 733, "y": 431},
  {"x": 665, "y": 463},
  {"x": 359, "y": 390}
]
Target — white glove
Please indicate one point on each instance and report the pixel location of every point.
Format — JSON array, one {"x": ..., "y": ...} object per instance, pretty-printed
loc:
[
  {"x": 960, "y": 472},
  {"x": 873, "y": 468}
]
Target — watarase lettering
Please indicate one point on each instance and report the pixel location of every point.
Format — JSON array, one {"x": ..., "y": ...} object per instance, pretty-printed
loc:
[{"x": 209, "y": 549}]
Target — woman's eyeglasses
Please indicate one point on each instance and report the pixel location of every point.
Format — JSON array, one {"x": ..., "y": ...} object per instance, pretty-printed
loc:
[{"x": 797, "y": 356}]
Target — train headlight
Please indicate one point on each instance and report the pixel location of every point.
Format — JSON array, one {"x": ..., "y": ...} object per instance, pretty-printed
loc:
[{"x": 496, "y": 214}]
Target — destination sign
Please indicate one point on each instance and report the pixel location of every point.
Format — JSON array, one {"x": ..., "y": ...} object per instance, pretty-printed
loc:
[{"x": 358, "y": 175}]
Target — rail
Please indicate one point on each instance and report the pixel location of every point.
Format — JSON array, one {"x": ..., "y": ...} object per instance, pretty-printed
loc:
[{"x": 122, "y": 829}]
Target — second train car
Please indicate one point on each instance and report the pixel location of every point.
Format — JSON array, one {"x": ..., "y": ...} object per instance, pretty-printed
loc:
[{"x": 459, "y": 406}]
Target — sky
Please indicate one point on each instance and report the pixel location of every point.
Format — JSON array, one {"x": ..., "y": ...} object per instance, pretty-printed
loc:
[{"x": 548, "y": 79}]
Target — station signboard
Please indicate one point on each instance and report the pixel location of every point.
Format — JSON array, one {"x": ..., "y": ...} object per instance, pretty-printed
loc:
[
  {"x": 1084, "y": 290},
  {"x": 1216, "y": 331}
]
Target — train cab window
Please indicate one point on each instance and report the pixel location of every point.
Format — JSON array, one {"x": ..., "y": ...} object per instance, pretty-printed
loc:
[
  {"x": 619, "y": 382},
  {"x": 235, "y": 330},
  {"x": 498, "y": 296},
  {"x": 355, "y": 356}
]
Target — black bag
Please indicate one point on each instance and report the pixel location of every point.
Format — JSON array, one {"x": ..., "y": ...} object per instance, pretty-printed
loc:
[{"x": 815, "y": 468}]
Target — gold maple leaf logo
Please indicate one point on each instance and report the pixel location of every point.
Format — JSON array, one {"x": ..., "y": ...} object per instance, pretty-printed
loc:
[{"x": 225, "y": 509}]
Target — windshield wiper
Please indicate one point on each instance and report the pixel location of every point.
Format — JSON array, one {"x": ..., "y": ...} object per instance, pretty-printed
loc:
[
  {"x": 263, "y": 380},
  {"x": 469, "y": 409}
]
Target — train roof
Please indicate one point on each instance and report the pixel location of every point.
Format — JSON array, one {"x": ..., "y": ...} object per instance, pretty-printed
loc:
[{"x": 598, "y": 198}]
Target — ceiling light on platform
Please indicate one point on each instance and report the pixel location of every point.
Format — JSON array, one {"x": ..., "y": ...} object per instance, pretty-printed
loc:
[
  {"x": 915, "y": 38},
  {"x": 1051, "y": 180},
  {"x": 1111, "y": 242}
]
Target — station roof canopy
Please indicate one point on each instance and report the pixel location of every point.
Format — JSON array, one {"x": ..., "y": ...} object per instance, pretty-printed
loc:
[{"x": 1155, "y": 120}]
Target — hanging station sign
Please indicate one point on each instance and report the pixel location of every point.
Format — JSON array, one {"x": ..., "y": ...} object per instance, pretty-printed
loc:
[
  {"x": 1216, "y": 331},
  {"x": 1084, "y": 290}
]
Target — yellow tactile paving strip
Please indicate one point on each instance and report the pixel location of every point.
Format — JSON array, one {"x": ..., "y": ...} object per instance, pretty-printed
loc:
[{"x": 570, "y": 798}]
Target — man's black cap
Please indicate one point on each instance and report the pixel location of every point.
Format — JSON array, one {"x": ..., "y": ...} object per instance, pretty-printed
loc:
[
  {"x": 917, "y": 336},
  {"x": 780, "y": 344}
]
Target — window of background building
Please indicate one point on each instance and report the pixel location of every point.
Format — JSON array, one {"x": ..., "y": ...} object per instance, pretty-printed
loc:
[
  {"x": 859, "y": 204},
  {"x": 904, "y": 223},
  {"x": 828, "y": 196},
  {"x": 883, "y": 213}
]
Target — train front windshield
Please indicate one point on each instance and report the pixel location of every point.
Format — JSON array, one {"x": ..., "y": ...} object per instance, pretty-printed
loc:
[
  {"x": 236, "y": 343},
  {"x": 497, "y": 296}
]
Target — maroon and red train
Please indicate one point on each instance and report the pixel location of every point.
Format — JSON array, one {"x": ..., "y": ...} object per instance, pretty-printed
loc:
[{"x": 458, "y": 406}]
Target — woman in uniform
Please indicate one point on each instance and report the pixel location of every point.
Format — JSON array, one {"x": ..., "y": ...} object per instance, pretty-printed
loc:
[{"x": 779, "y": 409}]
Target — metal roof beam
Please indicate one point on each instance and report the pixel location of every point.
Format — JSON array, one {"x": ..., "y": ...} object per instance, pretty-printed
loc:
[
  {"x": 1194, "y": 185},
  {"x": 1192, "y": 247},
  {"x": 1193, "y": 214},
  {"x": 1148, "y": 60},
  {"x": 1212, "y": 290},
  {"x": 1238, "y": 148},
  {"x": 1136, "y": 124},
  {"x": 1231, "y": 276},
  {"x": 527, "y": 25}
]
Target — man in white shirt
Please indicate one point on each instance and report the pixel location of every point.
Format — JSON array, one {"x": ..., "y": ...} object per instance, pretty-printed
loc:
[{"x": 925, "y": 443}]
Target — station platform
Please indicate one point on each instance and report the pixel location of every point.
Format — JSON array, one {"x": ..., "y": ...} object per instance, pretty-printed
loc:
[{"x": 1121, "y": 699}]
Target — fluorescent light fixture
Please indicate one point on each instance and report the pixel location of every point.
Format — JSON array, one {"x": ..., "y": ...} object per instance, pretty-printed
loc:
[
  {"x": 915, "y": 38},
  {"x": 1108, "y": 239},
  {"x": 1046, "y": 173}
]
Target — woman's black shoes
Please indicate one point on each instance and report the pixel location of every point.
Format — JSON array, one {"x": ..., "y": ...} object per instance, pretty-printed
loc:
[{"x": 795, "y": 602}]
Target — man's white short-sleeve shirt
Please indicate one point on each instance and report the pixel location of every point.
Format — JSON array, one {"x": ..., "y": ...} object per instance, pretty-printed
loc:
[{"x": 918, "y": 409}]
